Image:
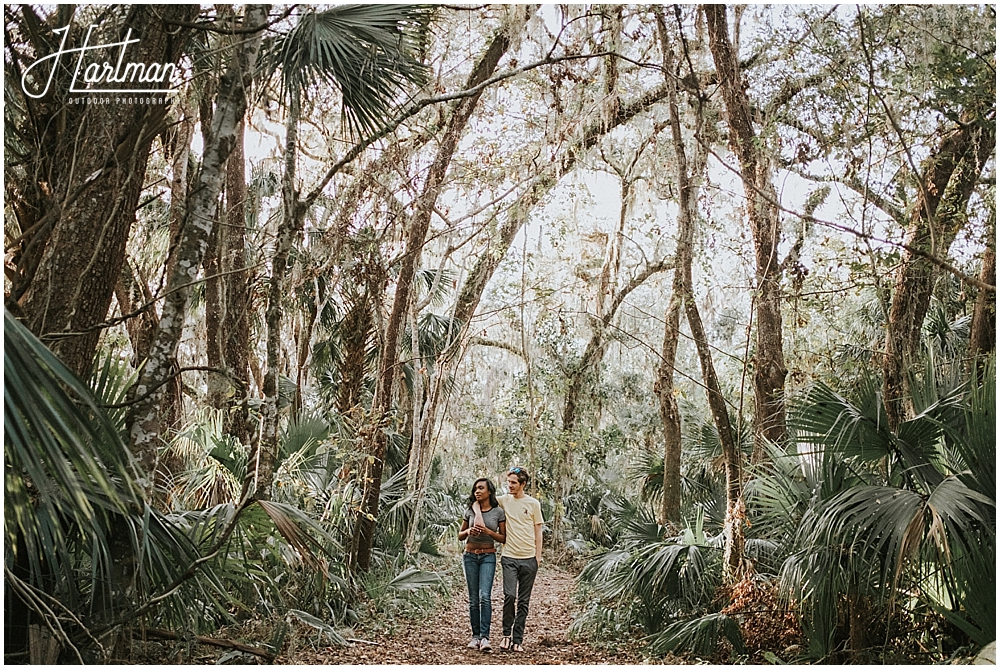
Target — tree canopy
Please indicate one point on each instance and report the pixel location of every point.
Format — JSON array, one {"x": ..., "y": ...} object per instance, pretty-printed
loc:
[{"x": 722, "y": 278}]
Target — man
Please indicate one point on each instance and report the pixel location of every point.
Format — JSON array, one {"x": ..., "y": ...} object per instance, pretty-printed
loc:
[{"x": 521, "y": 556}]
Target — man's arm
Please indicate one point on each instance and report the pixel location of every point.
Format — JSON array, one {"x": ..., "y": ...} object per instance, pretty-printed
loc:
[
  {"x": 538, "y": 542},
  {"x": 479, "y": 514}
]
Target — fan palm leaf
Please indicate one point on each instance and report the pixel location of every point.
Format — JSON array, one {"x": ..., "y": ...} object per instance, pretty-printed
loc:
[
  {"x": 699, "y": 635},
  {"x": 216, "y": 463},
  {"x": 816, "y": 576},
  {"x": 929, "y": 516},
  {"x": 303, "y": 435},
  {"x": 646, "y": 469},
  {"x": 860, "y": 430},
  {"x": 779, "y": 494},
  {"x": 369, "y": 52},
  {"x": 65, "y": 464},
  {"x": 76, "y": 526},
  {"x": 436, "y": 283},
  {"x": 890, "y": 525},
  {"x": 973, "y": 436},
  {"x": 656, "y": 572},
  {"x": 110, "y": 382}
]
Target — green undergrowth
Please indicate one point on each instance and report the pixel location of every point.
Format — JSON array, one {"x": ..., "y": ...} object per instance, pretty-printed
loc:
[{"x": 392, "y": 597}]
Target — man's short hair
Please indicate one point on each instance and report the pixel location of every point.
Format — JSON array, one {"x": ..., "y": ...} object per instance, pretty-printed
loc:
[{"x": 521, "y": 473}]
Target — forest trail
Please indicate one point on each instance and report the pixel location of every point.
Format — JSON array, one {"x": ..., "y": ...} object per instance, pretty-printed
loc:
[{"x": 442, "y": 637}]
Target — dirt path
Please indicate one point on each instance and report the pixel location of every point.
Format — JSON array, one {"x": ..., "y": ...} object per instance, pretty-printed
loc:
[{"x": 441, "y": 639}]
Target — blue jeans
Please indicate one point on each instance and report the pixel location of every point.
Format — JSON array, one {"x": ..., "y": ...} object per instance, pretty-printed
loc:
[{"x": 479, "y": 571}]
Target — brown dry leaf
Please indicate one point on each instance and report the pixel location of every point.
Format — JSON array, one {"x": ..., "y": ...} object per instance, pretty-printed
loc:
[{"x": 441, "y": 638}]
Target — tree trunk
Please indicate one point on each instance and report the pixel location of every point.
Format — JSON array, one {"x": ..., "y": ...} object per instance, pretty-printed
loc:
[
  {"x": 983, "y": 332},
  {"x": 260, "y": 469},
  {"x": 215, "y": 309},
  {"x": 91, "y": 163},
  {"x": 227, "y": 327},
  {"x": 215, "y": 255},
  {"x": 132, "y": 293},
  {"x": 949, "y": 177},
  {"x": 231, "y": 102},
  {"x": 733, "y": 529},
  {"x": 236, "y": 321},
  {"x": 356, "y": 332},
  {"x": 303, "y": 347},
  {"x": 670, "y": 415},
  {"x": 758, "y": 187},
  {"x": 423, "y": 451},
  {"x": 858, "y": 622},
  {"x": 416, "y": 407},
  {"x": 179, "y": 145},
  {"x": 663, "y": 388},
  {"x": 388, "y": 365}
]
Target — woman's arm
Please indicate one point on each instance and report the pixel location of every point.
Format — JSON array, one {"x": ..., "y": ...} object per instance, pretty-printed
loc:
[
  {"x": 500, "y": 536},
  {"x": 463, "y": 533}
]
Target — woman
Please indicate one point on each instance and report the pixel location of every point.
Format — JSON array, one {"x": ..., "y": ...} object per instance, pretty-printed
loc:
[{"x": 480, "y": 558}]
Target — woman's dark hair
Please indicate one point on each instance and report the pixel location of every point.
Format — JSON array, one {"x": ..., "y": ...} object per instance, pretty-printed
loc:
[{"x": 489, "y": 486}]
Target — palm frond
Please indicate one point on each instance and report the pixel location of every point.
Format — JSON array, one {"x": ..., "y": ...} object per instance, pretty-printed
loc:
[
  {"x": 215, "y": 462},
  {"x": 699, "y": 636},
  {"x": 890, "y": 525},
  {"x": 647, "y": 469},
  {"x": 657, "y": 574},
  {"x": 61, "y": 455},
  {"x": 321, "y": 627},
  {"x": 440, "y": 281},
  {"x": 778, "y": 495},
  {"x": 303, "y": 434},
  {"x": 110, "y": 382},
  {"x": 369, "y": 52},
  {"x": 289, "y": 520},
  {"x": 857, "y": 429},
  {"x": 411, "y": 579},
  {"x": 967, "y": 595},
  {"x": 75, "y": 522},
  {"x": 973, "y": 437},
  {"x": 816, "y": 577}
]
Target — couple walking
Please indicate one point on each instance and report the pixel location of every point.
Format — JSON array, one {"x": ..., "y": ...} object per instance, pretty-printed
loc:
[{"x": 515, "y": 521}]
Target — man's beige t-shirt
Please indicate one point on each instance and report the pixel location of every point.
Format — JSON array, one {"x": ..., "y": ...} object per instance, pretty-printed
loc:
[{"x": 522, "y": 516}]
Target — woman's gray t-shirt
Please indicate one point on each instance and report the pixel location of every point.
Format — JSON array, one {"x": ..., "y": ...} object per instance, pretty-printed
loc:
[{"x": 492, "y": 520}]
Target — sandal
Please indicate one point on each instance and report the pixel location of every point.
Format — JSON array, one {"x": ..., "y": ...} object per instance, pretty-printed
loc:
[
  {"x": 517, "y": 648},
  {"x": 505, "y": 643}
]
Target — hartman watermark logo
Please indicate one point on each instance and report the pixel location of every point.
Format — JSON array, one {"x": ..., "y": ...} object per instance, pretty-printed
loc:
[{"x": 93, "y": 76}]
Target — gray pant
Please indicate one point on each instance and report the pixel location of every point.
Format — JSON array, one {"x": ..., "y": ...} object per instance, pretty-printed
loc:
[{"x": 518, "y": 580}]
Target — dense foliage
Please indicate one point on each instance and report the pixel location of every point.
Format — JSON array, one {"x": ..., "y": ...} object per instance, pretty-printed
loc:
[{"x": 721, "y": 278}]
